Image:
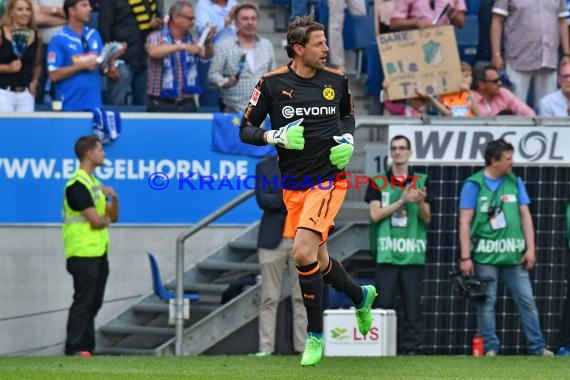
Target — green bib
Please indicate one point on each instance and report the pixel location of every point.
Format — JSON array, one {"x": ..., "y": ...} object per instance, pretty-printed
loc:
[
  {"x": 79, "y": 239},
  {"x": 497, "y": 243},
  {"x": 399, "y": 239}
]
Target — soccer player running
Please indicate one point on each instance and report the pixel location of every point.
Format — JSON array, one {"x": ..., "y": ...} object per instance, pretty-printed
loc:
[{"x": 312, "y": 116}]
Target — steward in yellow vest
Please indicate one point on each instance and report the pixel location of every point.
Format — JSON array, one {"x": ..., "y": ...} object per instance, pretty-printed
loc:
[{"x": 86, "y": 216}]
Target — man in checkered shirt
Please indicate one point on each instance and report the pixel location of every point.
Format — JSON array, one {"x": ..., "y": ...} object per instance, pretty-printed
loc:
[{"x": 240, "y": 61}]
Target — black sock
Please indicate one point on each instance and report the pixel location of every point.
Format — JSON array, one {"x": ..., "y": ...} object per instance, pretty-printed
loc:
[
  {"x": 336, "y": 276},
  {"x": 311, "y": 281}
]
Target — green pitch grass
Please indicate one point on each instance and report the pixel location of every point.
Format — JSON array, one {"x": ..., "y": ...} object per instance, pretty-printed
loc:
[{"x": 284, "y": 367}]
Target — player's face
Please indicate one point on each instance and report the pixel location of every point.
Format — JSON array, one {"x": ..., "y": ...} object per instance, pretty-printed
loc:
[
  {"x": 81, "y": 11},
  {"x": 316, "y": 50},
  {"x": 564, "y": 78}
]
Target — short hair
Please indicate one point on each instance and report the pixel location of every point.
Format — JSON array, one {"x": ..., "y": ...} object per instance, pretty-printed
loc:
[
  {"x": 494, "y": 150},
  {"x": 176, "y": 8},
  {"x": 246, "y": 6},
  {"x": 299, "y": 31},
  {"x": 84, "y": 144},
  {"x": 68, "y": 4},
  {"x": 481, "y": 74},
  {"x": 401, "y": 137}
]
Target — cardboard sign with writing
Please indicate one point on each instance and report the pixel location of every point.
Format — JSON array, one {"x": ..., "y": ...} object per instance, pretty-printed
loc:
[{"x": 425, "y": 59}]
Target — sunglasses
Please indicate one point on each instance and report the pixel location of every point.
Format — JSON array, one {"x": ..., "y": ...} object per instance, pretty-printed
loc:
[
  {"x": 496, "y": 81},
  {"x": 395, "y": 148}
]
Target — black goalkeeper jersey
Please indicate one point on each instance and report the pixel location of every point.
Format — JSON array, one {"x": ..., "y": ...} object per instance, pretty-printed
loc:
[{"x": 323, "y": 102}]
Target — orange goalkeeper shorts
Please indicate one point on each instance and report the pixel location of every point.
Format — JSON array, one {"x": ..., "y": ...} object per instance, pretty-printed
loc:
[{"x": 314, "y": 208}]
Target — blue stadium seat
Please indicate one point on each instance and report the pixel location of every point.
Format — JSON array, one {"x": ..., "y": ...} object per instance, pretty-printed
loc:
[
  {"x": 467, "y": 39},
  {"x": 158, "y": 286},
  {"x": 358, "y": 33}
]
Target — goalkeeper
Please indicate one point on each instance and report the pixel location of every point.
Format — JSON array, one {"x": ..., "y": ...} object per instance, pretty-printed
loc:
[{"x": 312, "y": 116}]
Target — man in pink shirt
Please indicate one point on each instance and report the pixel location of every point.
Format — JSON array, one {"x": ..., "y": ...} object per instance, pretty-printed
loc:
[
  {"x": 494, "y": 99},
  {"x": 421, "y": 14}
]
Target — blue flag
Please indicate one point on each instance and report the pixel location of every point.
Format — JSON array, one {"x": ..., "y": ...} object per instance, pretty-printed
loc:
[{"x": 225, "y": 137}]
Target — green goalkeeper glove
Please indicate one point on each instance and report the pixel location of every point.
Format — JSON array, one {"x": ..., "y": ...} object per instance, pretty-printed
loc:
[
  {"x": 342, "y": 153},
  {"x": 289, "y": 136}
]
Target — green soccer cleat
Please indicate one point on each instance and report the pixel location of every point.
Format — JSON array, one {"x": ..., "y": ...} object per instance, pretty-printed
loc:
[
  {"x": 364, "y": 313},
  {"x": 313, "y": 349}
]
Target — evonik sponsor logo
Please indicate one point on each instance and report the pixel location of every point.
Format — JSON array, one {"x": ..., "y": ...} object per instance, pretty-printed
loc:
[{"x": 288, "y": 112}]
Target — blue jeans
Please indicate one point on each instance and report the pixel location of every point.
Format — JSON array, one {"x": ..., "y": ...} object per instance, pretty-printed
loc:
[
  {"x": 517, "y": 281},
  {"x": 129, "y": 77}
]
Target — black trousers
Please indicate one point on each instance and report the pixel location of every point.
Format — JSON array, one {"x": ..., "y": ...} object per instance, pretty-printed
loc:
[
  {"x": 89, "y": 280},
  {"x": 564, "y": 334},
  {"x": 408, "y": 280}
]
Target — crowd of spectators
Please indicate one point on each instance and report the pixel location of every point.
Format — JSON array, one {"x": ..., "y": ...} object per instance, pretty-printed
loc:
[{"x": 527, "y": 44}]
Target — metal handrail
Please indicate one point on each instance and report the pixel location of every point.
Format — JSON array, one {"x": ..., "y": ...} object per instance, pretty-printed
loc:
[{"x": 179, "y": 306}]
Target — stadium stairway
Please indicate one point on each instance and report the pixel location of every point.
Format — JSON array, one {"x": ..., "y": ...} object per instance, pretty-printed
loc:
[{"x": 143, "y": 328}]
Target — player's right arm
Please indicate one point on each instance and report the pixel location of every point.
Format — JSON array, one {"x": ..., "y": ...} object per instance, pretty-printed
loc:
[{"x": 255, "y": 113}]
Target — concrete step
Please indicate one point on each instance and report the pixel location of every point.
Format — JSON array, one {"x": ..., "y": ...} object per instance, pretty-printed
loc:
[
  {"x": 226, "y": 266},
  {"x": 163, "y": 308},
  {"x": 136, "y": 329}
]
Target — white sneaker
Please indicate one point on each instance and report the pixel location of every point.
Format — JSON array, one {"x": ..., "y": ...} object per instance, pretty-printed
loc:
[
  {"x": 547, "y": 352},
  {"x": 263, "y": 354},
  {"x": 491, "y": 353}
]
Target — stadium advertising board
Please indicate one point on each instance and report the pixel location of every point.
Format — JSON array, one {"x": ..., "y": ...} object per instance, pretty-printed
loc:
[
  {"x": 162, "y": 167},
  {"x": 465, "y": 145}
]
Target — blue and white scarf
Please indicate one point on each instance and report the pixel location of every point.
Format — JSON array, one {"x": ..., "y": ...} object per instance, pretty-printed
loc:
[
  {"x": 106, "y": 125},
  {"x": 170, "y": 85}
]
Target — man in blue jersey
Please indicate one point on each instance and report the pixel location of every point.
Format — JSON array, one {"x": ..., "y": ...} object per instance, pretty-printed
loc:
[{"x": 72, "y": 60}]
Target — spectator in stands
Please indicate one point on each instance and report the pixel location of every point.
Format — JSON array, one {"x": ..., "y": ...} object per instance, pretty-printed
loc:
[
  {"x": 72, "y": 60},
  {"x": 173, "y": 80},
  {"x": 240, "y": 61},
  {"x": 533, "y": 33},
  {"x": 2, "y": 7},
  {"x": 336, "y": 23},
  {"x": 219, "y": 13},
  {"x": 400, "y": 212},
  {"x": 86, "y": 217},
  {"x": 20, "y": 58},
  {"x": 412, "y": 107},
  {"x": 123, "y": 20},
  {"x": 275, "y": 257},
  {"x": 496, "y": 235},
  {"x": 412, "y": 14},
  {"x": 491, "y": 98},
  {"x": 382, "y": 13},
  {"x": 458, "y": 103},
  {"x": 558, "y": 103},
  {"x": 298, "y": 8},
  {"x": 564, "y": 330},
  {"x": 50, "y": 18}
]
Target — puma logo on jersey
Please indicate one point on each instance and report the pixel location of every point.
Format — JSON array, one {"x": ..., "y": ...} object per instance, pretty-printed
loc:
[
  {"x": 313, "y": 220},
  {"x": 289, "y": 94}
]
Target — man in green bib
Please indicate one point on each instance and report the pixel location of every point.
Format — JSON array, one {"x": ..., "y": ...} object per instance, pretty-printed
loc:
[
  {"x": 86, "y": 216},
  {"x": 496, "y": 235},
  {"x": 399, "y": 213}
]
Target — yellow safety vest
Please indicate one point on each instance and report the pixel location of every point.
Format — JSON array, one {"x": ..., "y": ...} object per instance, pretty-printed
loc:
[{"x": 79, "y": 239}]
